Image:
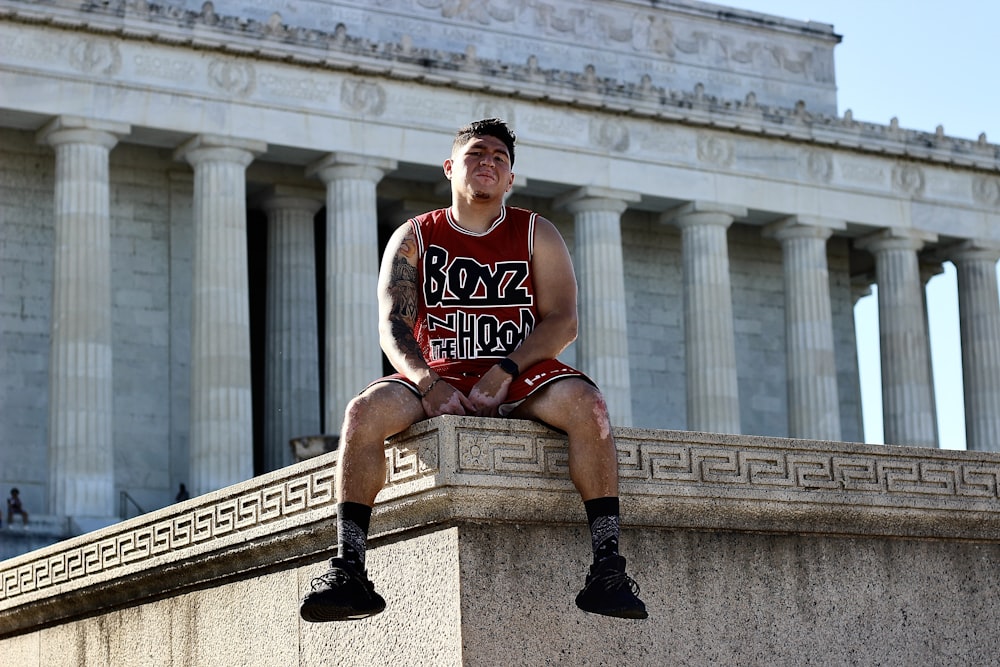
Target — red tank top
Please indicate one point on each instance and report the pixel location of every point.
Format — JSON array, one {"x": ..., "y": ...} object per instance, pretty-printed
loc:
[{"x": 476, "y": 297}]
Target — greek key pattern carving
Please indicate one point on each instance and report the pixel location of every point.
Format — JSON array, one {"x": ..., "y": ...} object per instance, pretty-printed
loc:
[
  {"x": 807, "y": 471},
  {"x": 777, "y": 468},
  {"x": 516, "y": 455},
  {"x": 186, "y": 530},
  {"x": 411, "y": 459}
]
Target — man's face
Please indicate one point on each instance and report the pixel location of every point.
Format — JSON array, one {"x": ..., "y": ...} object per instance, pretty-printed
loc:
[{"x": 480, "y": 168}]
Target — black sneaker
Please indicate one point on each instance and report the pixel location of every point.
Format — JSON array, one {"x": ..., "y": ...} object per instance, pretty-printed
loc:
[
  {"x": 343, "y": 593},
  {"x": 611, "y": 592}
]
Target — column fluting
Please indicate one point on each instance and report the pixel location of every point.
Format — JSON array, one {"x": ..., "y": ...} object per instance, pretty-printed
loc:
[
  {"x": 602, "y": 343},
  {"x": 813, "y": 397},
  {"x": 907, "y": 388},
  {"x": 81, "y": 436},
  {"x": 292, "y": 379},
  {"x": 979, "y": 323},
  {"x": 221, "y": 441},
  {"x": 353, "y": 355},
  {"x": 713, "y": 402}
]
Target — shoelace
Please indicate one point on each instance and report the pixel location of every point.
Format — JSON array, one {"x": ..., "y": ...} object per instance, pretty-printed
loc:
[
  {"x": 329, "y": 579},
  {"x": 616, "y": 580}
]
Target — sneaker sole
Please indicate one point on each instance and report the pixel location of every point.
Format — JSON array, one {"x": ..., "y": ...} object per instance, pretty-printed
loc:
[
  {"x": 320, "y": 613},
  {"x": 631, "y": 613}
]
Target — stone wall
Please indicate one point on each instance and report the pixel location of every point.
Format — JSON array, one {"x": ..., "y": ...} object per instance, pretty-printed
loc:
[{"x": 748, "y": 550}]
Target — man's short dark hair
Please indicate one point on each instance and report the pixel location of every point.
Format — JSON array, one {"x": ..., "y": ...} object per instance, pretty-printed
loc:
[{"x": 489, "y": 127}]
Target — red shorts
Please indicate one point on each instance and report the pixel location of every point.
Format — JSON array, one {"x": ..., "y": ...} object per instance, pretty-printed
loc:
[{"x": 463, "y": 375}]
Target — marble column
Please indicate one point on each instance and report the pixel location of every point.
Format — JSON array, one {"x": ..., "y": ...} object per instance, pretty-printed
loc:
[
  {"x": 291, "y": 375},
  {"x": 81, "y": 434},
  {"x": 928, "y": 269},
  {"x": 221, "y": 440},
  {"x": 907, "y": 389},
  {"x": 602, "y": 344},
  {"x": 979, "y": 322},
  {"x": 813, "y": 397},
  {"x": 713, "y": 402},
  {"x": 353, "y": 355}
]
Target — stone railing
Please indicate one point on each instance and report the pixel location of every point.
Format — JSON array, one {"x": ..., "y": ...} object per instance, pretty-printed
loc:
[{"x": 830, "y": 541}]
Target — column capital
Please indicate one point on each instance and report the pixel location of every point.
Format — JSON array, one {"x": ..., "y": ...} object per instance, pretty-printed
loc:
[
  {"x": 593, "y": 198},
  {"x": 339, "y": 164},
  {"x": 803, "y": 226},
  {"x": 973, "y": 250},
  {"x": 895, "y": 238},
  {"x": 77, "y": 129},
  {"x": 232, "y": 149},
  {"x": 280, "y": 196},
  {"x": 703, "y": 212}
]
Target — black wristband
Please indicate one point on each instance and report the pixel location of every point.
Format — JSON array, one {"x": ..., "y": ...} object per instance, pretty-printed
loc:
[{"x": 509, "y": 367}]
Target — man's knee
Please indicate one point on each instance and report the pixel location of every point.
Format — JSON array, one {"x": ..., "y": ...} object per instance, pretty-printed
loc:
[{"x": 381, "y": 411}]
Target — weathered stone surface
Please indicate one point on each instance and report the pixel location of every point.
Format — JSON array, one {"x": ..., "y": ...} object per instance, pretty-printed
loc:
[{"x": 747, "y": 549}]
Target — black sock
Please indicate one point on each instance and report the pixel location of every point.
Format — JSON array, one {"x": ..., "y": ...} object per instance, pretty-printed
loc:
[
  {"x": 603, "y": 515},
  {"x": 353, "y": 520}
]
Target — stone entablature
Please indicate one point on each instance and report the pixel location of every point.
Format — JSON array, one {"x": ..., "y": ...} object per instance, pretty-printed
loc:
[
  {"x": 347, "y": 39},
  {"x": 806, "y": 167},
  {"x": 552, "y": 42}
]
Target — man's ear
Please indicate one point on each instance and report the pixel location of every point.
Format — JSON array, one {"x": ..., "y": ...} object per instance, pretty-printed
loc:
[
  {"x": 447, "y": 168},
  {"x": 510, "y": 184}
]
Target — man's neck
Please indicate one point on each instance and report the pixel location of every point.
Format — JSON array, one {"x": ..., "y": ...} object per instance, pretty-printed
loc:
[{"x": 475, "y": 216}]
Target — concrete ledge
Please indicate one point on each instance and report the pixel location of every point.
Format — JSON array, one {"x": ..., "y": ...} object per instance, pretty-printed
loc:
[
  {"x": 469, "y": 468},
  {"x": 479, "y": 513}
]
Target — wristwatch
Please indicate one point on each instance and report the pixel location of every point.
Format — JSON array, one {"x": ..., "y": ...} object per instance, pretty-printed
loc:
[{"x": 509, "y": 367}]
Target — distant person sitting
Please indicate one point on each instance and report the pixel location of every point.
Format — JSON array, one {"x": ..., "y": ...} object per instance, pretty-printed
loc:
[
  {"x": 14, "y": 506},
  {"x": 182, "y": 494}
]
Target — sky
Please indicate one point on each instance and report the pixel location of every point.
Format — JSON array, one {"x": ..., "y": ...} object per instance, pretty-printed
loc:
[{"x": 927, "y": 63}]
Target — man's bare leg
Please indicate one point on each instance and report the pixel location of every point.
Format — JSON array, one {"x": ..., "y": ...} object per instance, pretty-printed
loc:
[
  {"x": 578, "y": 408},
  {"x": 381, "y": 411},
  {"x": 344, "y": 591}
]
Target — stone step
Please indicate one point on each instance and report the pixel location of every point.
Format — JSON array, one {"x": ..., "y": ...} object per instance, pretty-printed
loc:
[
  {"x": 42, "y": 530},
  {"x": 38, "y": 524}
]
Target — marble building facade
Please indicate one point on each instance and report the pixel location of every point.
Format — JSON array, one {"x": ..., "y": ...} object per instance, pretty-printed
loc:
[{"x": 193, "y": 197}]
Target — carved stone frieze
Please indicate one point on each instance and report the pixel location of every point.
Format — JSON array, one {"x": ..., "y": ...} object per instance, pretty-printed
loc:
[
  {"x": 819, "y": 166},
  {"x": 986, "y": 190},
  {"x": 610, "y": 135},
  {"x": 908, "y": 179},
  {"x": 95, "y": 56},
  {"x": 232, "y": 77},
  {"x": 365, "y": 98},
  {"x": 715, "y": 150},
  {"x": 700, "y": 74}
]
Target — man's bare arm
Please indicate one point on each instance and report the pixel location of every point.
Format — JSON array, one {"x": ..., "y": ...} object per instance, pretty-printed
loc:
[
  {"x": 555, "y": 294},
  {"x": 397, "y": 299},
  {"x": 398, "y": 303}
]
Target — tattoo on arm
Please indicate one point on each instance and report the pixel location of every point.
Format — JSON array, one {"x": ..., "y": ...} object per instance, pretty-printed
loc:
[{"x": 402, "y": 290}]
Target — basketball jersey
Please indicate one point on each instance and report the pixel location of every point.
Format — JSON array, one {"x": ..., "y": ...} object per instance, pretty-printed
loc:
[{"x": 476, "y": 299}]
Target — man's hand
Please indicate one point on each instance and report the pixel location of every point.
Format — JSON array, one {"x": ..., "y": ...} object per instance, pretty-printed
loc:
[
  {"x": 490, "y": 392},
  {"x": 444, "y": 399}
]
